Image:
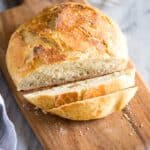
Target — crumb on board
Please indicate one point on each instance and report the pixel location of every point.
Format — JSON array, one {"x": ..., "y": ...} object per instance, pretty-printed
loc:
[
  {"x": 62, "y": 131},
  {"x": 141, "y": 125},
  {"x": 26, "y": 107},
  {"x": 87, "y": 128},
  {"x": 126, "y": 116},
  {"x": 36, "y": 108},
  {"x": 80, "y": 133},
  {"x": 44, "y": 112},
  {"x": 131, "y": 134},
  {"x": 36, "y": 113}
]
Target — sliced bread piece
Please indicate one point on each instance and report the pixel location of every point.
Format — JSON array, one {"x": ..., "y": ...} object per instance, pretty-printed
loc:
[
  {"x": 97, "y": 107},
  {"x": 81, "y": 90}
]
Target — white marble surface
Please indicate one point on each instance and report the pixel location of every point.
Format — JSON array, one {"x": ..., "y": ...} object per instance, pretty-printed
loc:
[{"x": 133, "y": 17}]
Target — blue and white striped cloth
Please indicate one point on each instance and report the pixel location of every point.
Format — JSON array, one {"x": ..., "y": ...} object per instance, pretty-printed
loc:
[{"x": 8, "y": 138}]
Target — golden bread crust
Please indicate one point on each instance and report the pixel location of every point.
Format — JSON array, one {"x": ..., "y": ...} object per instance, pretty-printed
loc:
[
  {"x": 97, "y": 107},
  {"x": 64, "y": 32}
]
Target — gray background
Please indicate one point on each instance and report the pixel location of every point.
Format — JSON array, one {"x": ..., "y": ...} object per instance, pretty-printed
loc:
[{"x": 133, "y": 16}]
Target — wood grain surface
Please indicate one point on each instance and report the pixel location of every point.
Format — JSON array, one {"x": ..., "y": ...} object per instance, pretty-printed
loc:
[{"x": 126, "y": 130}]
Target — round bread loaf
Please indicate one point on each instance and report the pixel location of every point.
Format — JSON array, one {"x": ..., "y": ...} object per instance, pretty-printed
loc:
[{"x": 65, "y": 43}]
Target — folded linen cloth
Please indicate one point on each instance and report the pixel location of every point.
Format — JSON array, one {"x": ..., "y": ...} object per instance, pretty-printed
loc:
[{"x": 8, "y": 138}]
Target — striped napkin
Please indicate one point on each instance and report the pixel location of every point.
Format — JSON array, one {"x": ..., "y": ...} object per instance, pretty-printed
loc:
[{"x": 8, "y": 138}]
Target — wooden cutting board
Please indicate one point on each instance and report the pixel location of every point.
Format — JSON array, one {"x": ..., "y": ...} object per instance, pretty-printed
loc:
[{"x": 126, "y": 130}]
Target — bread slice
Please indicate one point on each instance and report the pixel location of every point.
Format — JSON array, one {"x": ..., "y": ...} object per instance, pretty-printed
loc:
[
  {"x": 65, "y": 43},
  {"x": 81, "y": 90},
  {"x": 97, "y": 107}
]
